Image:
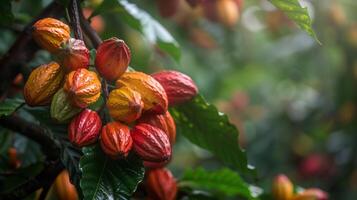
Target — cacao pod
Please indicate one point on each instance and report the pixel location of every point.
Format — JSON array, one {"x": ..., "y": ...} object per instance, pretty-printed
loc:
[
  {"x": 50, "y": 33},
  {"x": 112, "y": 58},
  {"x": 14, "y": 161},
  {"x": 164, "y": 122},
  {"x": 311, "y": 194},
  {"x": 84, "y": 128},
  {"x": 74, "y": 55},
  {"x": 227, "y": 12},
  {"x": 61, "y": 108},
  {"x": 124, "y": 104},
  {"x": 151, "y": 143},
  {"x": 152, "y": 93},
  {"x": 64, "y": 188},
  {"x": 282, "y": 188},
  {"x": 179, "y": 87},
  {"x": 154, "y": 165},
  {"x": 161, "y": 184},
  {"x": 83, "y": 87},
  {"x": 116, "y": 140},
  {"x": 42, "y": 84}
]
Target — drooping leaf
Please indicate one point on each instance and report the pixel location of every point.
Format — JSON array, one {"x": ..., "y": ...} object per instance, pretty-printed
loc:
[
  {"x": 224, "y": 181},
  {"x": 104, "y": 178},
  {"x": 204, "y": 126},
  {"x": 8, "y": 106},
  {"x": 297, "y": 13},
  {"x": 6, "y": 15},
  {"x": 141, "y": 21}
]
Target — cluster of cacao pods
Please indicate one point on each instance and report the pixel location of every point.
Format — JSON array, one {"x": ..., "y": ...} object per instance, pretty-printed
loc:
[
  {"x": 138, "y": 105},
  {"x": 283, "y": 189}
]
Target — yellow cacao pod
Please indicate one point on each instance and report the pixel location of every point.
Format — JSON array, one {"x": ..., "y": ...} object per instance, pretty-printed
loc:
[
  {"x": 152, "y": 93},
  {"x": 282, "y": 189},
  {"x": 50, "y": 33},
  {"x": 83, "y": 87},
  {"x": 42, "y": 84},
  {"x": 124, "y": 104}
]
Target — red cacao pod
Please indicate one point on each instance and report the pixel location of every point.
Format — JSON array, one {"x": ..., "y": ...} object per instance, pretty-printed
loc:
[
  {"x": 155, "y": 165},
  {"x": 179, "y": 87},
  {"x": 116, "y": 140},
  {"x": 112, "y": 58},
  {"x": 151, "y": 143},
  {"x": 282, "y": 188},
  {"x": 161, "y": 184},
  {"x": 64, "y": 188},
  {"x": 84, "y": 129},
  {"x": 311, "y": 194},
  {"x": 74, "y": 55},
  {"x": 50, "y": 33},
  {"x": 164, "y": 122}
]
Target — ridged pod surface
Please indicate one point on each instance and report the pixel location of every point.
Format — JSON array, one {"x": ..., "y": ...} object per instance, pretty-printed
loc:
[
  {"x": 74, "y": 55},
  {"x": 116, "y": 140},
  {"x": 84, "y": 128},
  {"x": 64, "y": 188},
  {"x": 112, "y": 58},
  {"x": 83, "y": 87},
  {"x": 62, "y": 109},
  {"x": 50, "y": 33},
  {"x": 42, "y": 84},
  {"x": 160, "y": 184},
  {"x": 179, "y": 87},
  {"x": 152, "y": 93},
  {"x": 282, "y": 189},
  {"x": 155, "y": 165},
  {"x": 151, "y": 143},
  {"x": 164, "y": 122}
]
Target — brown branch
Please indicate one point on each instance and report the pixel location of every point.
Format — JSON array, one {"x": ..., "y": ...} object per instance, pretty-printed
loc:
[
  {"x": 73, "y": 10},
  {"x": 89, "y": 31}
]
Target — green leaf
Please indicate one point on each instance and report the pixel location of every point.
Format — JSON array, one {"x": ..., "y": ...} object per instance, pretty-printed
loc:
[
  {"x": 6, "y": 15},
  {"x": 297, "y": 13},
  {"x": 104, "y": 178},
  {"x": 224, "y": 181},
  {"x": 141, "y": 21},
  {"x": 204, "y": 126},
  {"x": 8, "y": 106}
]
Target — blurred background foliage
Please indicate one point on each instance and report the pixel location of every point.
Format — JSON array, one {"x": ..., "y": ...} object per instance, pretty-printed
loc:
[{"x": 293, "y": 100}]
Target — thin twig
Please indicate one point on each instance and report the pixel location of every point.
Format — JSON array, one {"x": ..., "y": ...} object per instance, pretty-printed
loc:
[{"x": 74, "y": 16}]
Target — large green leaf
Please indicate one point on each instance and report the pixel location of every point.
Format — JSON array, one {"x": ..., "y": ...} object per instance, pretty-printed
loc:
[
  {"x": 297, "y": 13},
  {"x": 104, "y": 178},
  {"x": 224, "y": 181},
  {"x": 144, "y": 23},
  {"x": 204, "y": 126},
  {"x": 8, "y": 106}
]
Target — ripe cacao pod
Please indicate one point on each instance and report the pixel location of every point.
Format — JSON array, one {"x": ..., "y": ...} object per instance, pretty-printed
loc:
[
  {"x": 14, "y": 161},
  {"x": 112, "y": 58},
  {"x": 83, "y": 87},
  {"x": 42, "y": 84},
  {"x": 179, "y": 87},
  {"x": 84, "y": 128},
  {"x": 282, "y": 188},
  {"x": 152, "y": 93},
  {"x": 311, "y": 194},
  {"x": 61, "y": 108},
  {"x": 227, "y": 12},
  {"x": 74, "y": 55},
  {"x": 50, "y": 33},
  {"x": 151, "y": 143},
  {"x": 64, "y": 188},
  {"x": 164, "y": 122},
  {"x": 116, "y": 140},
  {"x": 160, "y": 184},
  {"x": 155, "y": 165},
  {"x": 124, "y": 104}
]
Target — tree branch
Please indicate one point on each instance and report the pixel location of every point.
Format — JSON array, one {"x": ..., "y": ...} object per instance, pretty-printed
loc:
[
  {"x": 74, "y": 16},
  {"x": 89, "y": 31}
]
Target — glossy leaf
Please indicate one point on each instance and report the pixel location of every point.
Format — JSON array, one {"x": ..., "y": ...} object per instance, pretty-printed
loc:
[
  {"x": 103, "y": 178},
  {"x": 8, "y": 106}
]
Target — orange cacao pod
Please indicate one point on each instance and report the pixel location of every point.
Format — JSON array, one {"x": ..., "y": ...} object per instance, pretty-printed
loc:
[
  {"x": 161, "y": 184},
  {"x": 14, "y": 162},
  {"x": 311, "y": 194},
  {"x": 74, "y": 55},
  {"x": 227, "y": 12},
  {"x": 112, "y": 58},
  {"x": 64, "y": 188},
  {"x": 151, "y": 143},
  {"x": 83, "y": 87},
  {"x": 42, "y": 84},
  {"x": 124, "y": 104},
  {"x": 84, "y": 129},
  {"x": 152, "y": 93},
  {"x": 179, "y": 87},
  {"x": 282, "y": 188},
  {"x": 116, "y": 140},
  {"x": 50, "y": 33},
  {"x": 164, "y": 122}
]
